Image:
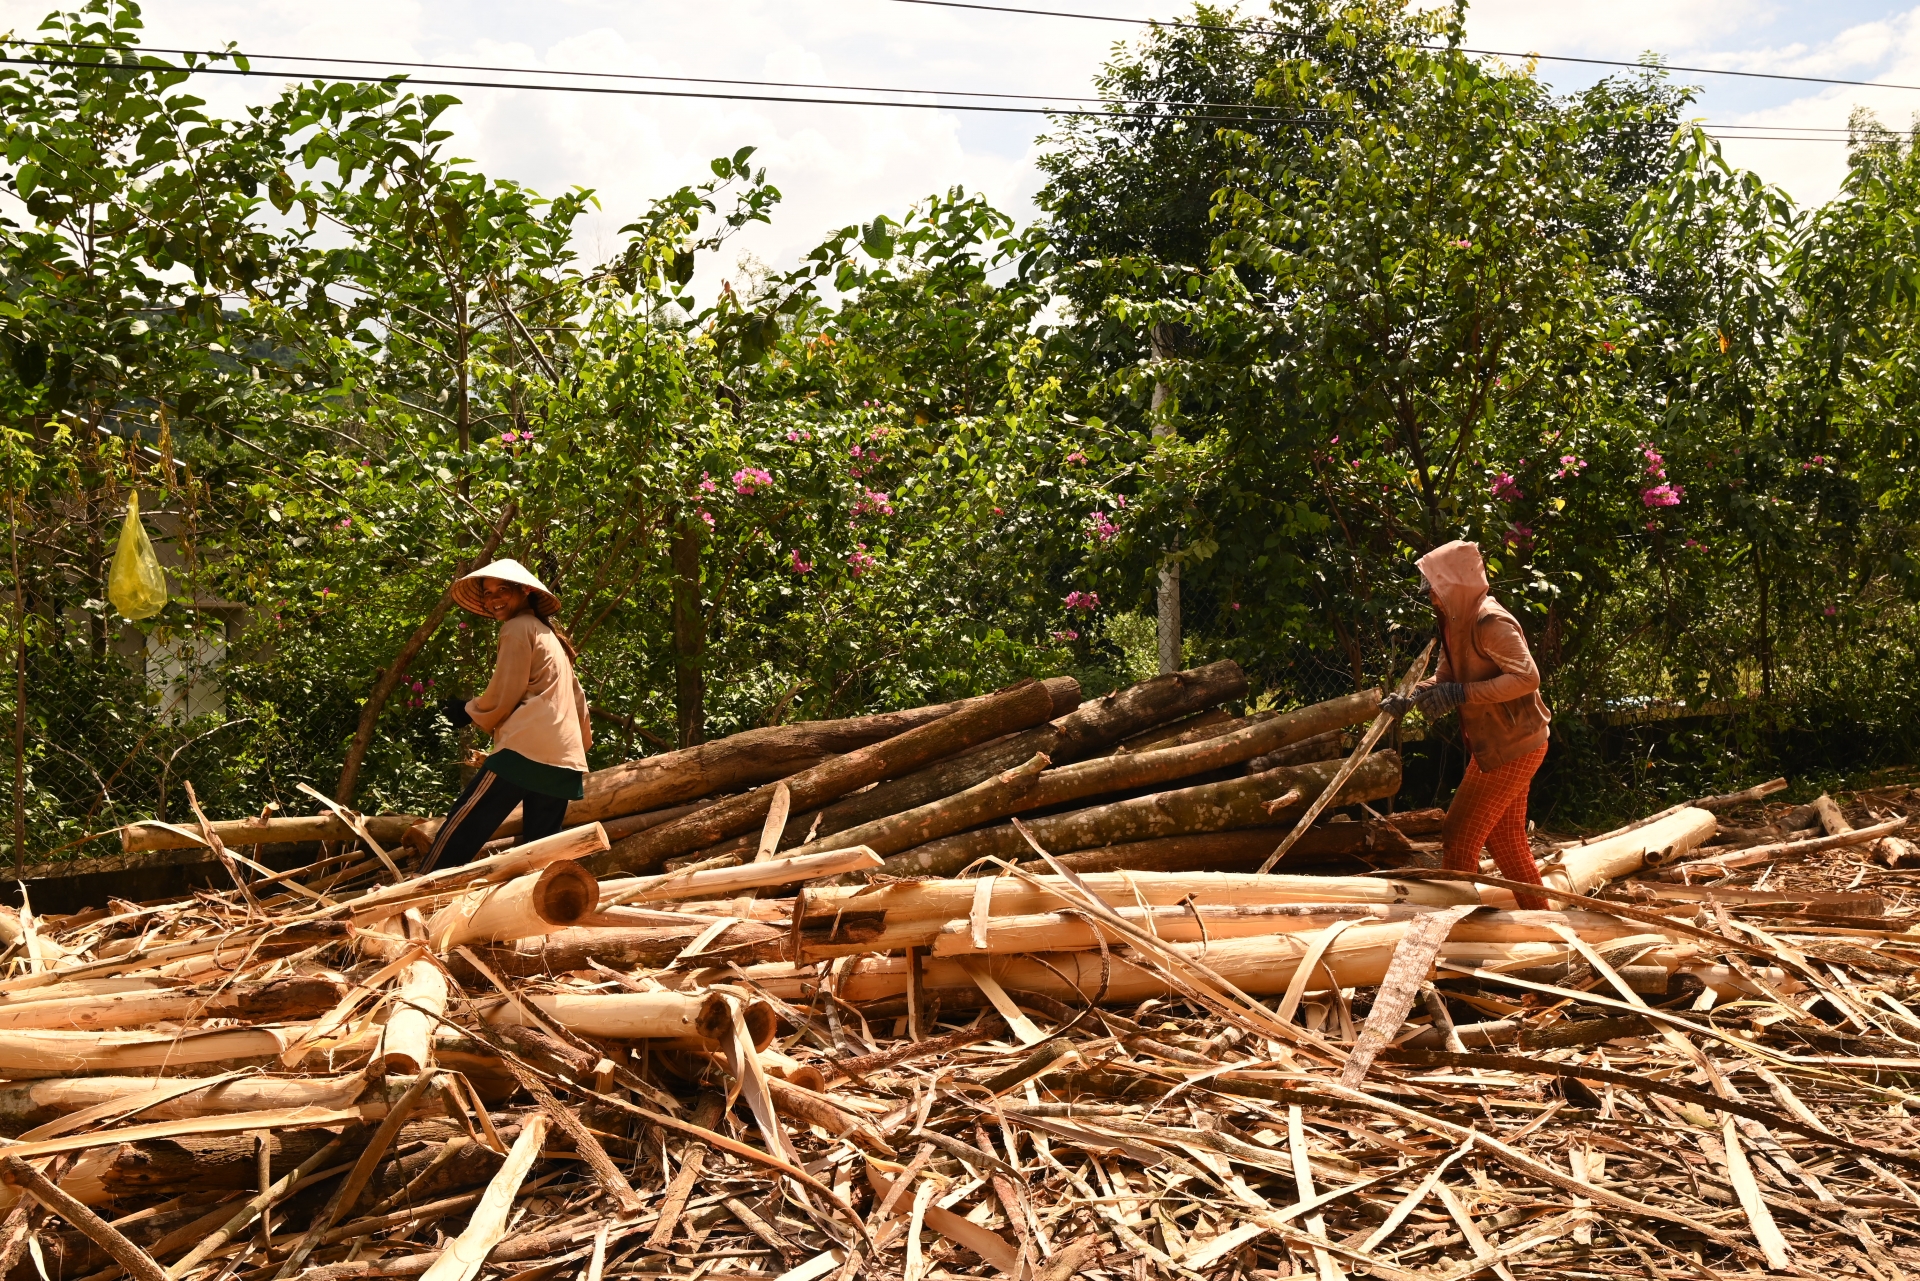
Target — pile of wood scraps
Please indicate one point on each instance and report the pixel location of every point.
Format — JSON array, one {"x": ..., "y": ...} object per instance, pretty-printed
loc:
[{"x": 988, "y": 988}]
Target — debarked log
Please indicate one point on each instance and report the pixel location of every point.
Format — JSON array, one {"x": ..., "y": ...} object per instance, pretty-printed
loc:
[
  {"x": 279, "y": 1000},
  {"x": 640, "y": 948},
  {"x": 27, "y": 1104},
  {"x": 1187, "y": 923},
  {"x": 1079, "y": 733},
  {"x": 762, "y": 755},
  {"x": 911, "y": 913},
  {"x": 1241, "y": 851},
  {"x": 1261, "y": 966},
  {"x": 537, "y": 903},
  {"x": 642, "y": 1016},
  {"x": 388, "y": 829},
  {"x": 1012, "y": 709},
  {"x": 1208, "y": 807}
]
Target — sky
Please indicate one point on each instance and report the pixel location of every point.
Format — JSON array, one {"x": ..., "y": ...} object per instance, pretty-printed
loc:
[{"x": 836, "y": 165}]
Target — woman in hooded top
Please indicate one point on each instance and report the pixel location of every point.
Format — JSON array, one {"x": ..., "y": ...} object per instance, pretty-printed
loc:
[
  {"x": 533, "y": 707},
  {"x": 1487, "y": 671}
]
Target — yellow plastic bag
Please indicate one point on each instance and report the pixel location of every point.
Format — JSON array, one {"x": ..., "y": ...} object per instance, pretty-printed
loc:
[{"x": 136, "y": 584}]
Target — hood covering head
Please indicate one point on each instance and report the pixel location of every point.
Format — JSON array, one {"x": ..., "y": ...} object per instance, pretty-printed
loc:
[{"x": 1456, "y": 574}]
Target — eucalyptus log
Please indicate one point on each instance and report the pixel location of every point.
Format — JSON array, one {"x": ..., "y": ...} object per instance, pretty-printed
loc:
[
  {"x": 406, "y": 1043},
  {"x": 25, "y": 1105},
  {"x": 1259, "y": 966},
  {"x": 1189, "y": 729},
  {"x": 900, "y": 914},
  {"x": 388, "y": 829},
  {"x": 1080, "y": 733},
  {"x": 759, "y": 756},
  {"x": 1320, "y": 747},
  {"x": 1011, "y": 709},
  {"x": 640, "y": 1016},
  {"x": 784, "y": 870},
  {"x": 295, "y": 997},
  {"x": 1241, "y": 851},
  {"x": 537, "y": 903},
  {"x": 640, "y": 948},
  {"x": 1208, "y": 807},
  {"x": 505, "y": 865}
]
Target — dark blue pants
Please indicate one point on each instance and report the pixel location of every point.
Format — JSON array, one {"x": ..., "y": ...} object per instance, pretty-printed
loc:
[{"x": 481, "y": 809}]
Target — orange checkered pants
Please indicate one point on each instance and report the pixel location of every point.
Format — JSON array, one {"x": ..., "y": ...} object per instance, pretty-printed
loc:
[{"x": 1490, "y": 811}]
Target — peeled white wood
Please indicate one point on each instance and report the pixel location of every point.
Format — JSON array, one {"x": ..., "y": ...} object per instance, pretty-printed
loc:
[
  {"x": 464, "y": 1255},
  {"x": 640, "y": 1016},
  {"x": 728, "y": 880},
  {"x": 449, "y": 882},
  {"x": 916, "y": 911},
  {"x": 1586, "y": 867},
  {"x": 537, "y": 903},
  {"x": 406, "y": 1044}
]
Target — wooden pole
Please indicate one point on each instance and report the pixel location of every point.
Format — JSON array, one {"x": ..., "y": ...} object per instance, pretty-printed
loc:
[
  {"x": 406, "y": 1044},
  {"x": 641, "y": 1016}
]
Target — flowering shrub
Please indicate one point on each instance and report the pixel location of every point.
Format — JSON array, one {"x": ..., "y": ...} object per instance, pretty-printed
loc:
[
  {"x": 1506, "y": 488},
  {"x": 798, "y": 565},
  {"x": 1082, "y": 600},
  {"x": 751, "y": 480},
  {"x": 872, "y": 503},
  {"x": 1103, "y": 528},
  {"x": 1663, "y": 495},
  {"x": 859, "y": 562}
]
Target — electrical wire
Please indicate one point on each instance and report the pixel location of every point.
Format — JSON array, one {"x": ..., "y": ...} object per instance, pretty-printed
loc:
[
  {"x": 608, "y": 90},
  {"x": 1184, "y": 111},
  {"x": 1489, "y": 53},
  {"x": 629, "y": 75}
]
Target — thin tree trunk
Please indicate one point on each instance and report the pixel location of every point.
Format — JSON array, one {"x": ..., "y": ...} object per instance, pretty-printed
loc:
[
  {"x": 689, "y": 635},
  {"x": 1766, "y": 638},
  {"x": 19, "y": 698},
  {"x": 389, "y": 679},
  {"x": 1168, "y": 623}
]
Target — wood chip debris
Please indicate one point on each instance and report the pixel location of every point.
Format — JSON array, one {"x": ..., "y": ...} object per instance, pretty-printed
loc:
[{"x": 792, "y": 1059}]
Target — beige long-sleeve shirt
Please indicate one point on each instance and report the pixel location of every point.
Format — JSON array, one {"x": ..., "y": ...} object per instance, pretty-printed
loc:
[{"x": 534, "y": 704}]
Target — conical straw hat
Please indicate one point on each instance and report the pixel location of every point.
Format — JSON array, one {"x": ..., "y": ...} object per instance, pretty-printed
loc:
[{"x": 467, "y": 590}]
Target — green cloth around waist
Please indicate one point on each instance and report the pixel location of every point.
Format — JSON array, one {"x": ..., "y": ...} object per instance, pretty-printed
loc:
[{"x": 548, "y": 780}]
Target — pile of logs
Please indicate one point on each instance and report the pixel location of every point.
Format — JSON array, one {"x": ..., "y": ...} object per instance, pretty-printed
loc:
[{"x": 991, "y": 987}]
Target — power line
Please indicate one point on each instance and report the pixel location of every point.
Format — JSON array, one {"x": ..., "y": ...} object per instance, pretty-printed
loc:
[
  {"x": 409, "y": 80},
  {"x": 608, "y": 90},
  {"x": 628, "y": 75},
  {"x": 1489, "y": 53}
]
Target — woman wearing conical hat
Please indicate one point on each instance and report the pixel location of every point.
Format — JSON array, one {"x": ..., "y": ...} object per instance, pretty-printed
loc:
[{"x": 533, "y": 707}]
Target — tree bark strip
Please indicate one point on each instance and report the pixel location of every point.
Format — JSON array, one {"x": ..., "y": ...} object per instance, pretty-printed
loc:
[
  {"x": 1209, "y": 807},
  {"x": 1002, "y": 713}
]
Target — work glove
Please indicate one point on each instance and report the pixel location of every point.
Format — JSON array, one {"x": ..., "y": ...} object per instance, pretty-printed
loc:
[
  {"x": 1396, "y": 705},
  {"x": 1439, "y": 699},
  {"x": 455, "y": 710}
]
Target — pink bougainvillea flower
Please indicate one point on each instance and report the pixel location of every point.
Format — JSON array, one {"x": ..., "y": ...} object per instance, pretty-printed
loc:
[
  {"x": 1082, "y": 600},
  {"x": 705, "y": 515},
  {"x": 751, "y": 480},
  {"x": 1656, "y": 465},
  {"x": 1506, "y": 488},
  {"x": 1520, "y": 536},
  {"x": 1234, "y": 605},
  {"x": 797, "y": 565},
  {"x": 1463, "y": 244},
  {"x": 706, "y": 485},
  {"x": 1663, "y": 495},
  {"x": 873, "y": 503},
  {"x": 859, "y": 563},
  {"x": 999, "y": 511},
  {"x": 1830, "y": 611},
  {"x": 1076, "y": 458},
  {"x": 1103, "y": 528},
  {"x": 1068, "y": 635}
]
